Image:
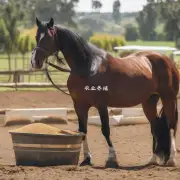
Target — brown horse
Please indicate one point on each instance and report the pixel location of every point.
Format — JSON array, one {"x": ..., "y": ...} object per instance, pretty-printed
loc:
[{"x": 100, "y": 80}]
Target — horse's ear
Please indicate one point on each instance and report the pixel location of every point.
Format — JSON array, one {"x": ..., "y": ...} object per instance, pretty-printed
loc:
[
  {"x": 50, "y": 23},
  {"x": 38, "y": 22}
]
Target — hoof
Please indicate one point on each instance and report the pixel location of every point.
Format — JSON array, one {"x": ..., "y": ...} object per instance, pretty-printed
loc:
[
  {"x": 111, "y": 164},
  {"x": 86, "y": 162},
  {"x": 153, "y": 163},
  {"x": 153, "y": 160},
  {"x": 162, "y": 159},
  {"x": 171, "y": 163},
  {"x": 163, "y": 162}
]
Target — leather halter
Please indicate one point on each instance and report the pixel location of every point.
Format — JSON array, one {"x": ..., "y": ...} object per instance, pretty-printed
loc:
[{"x": 47, "y": 54}]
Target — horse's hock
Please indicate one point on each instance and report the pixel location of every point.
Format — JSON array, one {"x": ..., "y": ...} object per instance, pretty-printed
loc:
[{"x": 43, "y": 145}]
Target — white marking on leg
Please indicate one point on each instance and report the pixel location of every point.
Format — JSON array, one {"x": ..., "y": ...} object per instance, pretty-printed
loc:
[
  {"x": 87, "y": 153},
  {"x": 173, "y": 147},
  {"x": 161, "y": 160},
  {"x": 153, "y": 159},
  {"x": 112, "y": 154},
  {"x": 172, "y": 160}
]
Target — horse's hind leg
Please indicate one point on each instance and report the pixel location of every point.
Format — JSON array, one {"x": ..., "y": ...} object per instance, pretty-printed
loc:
[
  {"x": 150, "y": 111},
  {"x": 171, "y": 112}
]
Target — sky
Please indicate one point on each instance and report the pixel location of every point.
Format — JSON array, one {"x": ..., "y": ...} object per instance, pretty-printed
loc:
[{"x": 126, "y": 5}]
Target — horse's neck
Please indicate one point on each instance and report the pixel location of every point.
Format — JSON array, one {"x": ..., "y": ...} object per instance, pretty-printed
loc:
[
  {"x": 98, "y": 62},
  {"x": 69, "y": 60},
  {"x": 100, "y": 59}
]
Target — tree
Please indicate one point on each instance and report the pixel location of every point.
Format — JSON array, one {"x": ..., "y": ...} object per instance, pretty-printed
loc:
[
  {"x": 170, "y": 13},
  {"x": 96, "y": 5},
  {"x": 61, "y": 10},
  {"x": 12, "y": 14},
  {"x": 97, "y": 24},
  {"x": 116, "y": 11},
  {"x": 147, "y": 20},
  {"x": 131, "y": 33},
  {"x": 66, "y": 13}
]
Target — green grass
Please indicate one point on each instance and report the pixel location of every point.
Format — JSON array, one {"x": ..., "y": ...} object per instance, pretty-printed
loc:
[{"x": 17, "y": 64}]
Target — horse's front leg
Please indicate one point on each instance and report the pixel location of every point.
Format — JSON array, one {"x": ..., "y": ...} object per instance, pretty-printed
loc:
[
  {"x": 82, "y": 113},
  {"x": 112, "y": 160}
]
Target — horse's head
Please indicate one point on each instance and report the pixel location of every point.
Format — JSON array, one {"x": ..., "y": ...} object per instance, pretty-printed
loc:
[{"x": 46, "y": 44}]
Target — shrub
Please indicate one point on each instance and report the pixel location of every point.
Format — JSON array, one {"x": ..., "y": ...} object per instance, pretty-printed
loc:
[
  {"x": 107, "y": 42},
  {"x": 131, "y": 33},
  {"x": 30, "y": 32},
  {"x": 26, "y": 40},
  {"x": 25, "y": 44}
]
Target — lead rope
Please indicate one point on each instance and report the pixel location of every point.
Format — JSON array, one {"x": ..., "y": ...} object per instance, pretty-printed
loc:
[{"x": 49, "y": 77}]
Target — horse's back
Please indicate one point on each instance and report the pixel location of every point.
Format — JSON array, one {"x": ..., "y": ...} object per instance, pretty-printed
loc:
[
  {"x": 131, "y": 65},
  {"x": 164, "y": 67}
]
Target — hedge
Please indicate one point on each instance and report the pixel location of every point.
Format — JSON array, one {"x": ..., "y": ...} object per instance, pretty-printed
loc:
[{"x": 106, "y": 41}]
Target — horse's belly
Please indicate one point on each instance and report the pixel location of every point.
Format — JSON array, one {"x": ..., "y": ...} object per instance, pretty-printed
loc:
[
  {"x": 128, "y": 102},
  {"x": 130, "y": 94},
  {"x": 120, "y": 92}
]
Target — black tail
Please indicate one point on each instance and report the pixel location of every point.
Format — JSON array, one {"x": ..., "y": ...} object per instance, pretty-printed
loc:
[
  {"x": 176, "y": 116},
  {"x": 162, "y": 135}
]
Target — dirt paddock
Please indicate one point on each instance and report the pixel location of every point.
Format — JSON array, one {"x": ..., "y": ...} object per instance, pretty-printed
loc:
[{"x": 132, "y": 144}]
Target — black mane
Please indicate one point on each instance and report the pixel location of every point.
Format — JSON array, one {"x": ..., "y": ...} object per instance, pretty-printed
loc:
[{"x": 83, "y": 53}]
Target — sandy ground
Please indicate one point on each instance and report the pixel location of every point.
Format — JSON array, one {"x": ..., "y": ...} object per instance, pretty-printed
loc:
[{"x": 132, "y": 144}]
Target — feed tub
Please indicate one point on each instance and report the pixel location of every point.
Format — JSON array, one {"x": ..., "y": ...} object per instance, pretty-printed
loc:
[{"x": 45, "y": 149}]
